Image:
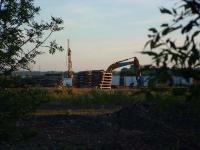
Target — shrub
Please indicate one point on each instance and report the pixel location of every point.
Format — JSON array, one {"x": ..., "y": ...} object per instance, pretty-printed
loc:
[{"x": 15, "y": 105}]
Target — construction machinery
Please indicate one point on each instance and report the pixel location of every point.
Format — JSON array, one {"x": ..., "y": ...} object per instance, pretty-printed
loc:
[
  {"x": 106, "y": 81},
  {"x": 67, "y": 81}
]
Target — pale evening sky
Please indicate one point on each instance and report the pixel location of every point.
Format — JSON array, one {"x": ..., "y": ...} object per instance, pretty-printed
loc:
[{"x": 100, "y": 31}]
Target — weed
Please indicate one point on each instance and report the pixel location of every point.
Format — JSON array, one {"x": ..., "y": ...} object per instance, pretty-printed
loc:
[{"x": 15, "y": 105}]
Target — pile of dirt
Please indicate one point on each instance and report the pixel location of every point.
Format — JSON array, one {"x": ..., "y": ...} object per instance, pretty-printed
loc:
[
  {"x": 158, "y": 130},
  {"x": 136, "y": 127}
]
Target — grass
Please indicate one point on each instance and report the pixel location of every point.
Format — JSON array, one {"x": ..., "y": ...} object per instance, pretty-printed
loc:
[
  {"x": 79, "y": 112},
  {"x": 89, "y": 97},
  {"x": 15, "y": 104}
]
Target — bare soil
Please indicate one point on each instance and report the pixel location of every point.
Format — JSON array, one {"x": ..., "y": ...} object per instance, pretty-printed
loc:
[{"x": 130, "y": 128}]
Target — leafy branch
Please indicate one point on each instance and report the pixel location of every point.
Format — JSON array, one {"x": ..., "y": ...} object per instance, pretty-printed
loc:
[
  {"x": 21, "y": 36},
  {"x": 165, "y": 50}
]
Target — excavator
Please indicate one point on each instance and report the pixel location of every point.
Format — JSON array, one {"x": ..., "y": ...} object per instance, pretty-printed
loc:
[{"x": 106, "y": 81}]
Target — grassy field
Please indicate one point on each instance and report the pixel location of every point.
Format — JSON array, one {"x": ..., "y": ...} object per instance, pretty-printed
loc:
[{"x": 61, "y": 118}]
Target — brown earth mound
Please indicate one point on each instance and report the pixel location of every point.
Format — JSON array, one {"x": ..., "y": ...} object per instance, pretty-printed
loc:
[{"x": 136, "y": 127}]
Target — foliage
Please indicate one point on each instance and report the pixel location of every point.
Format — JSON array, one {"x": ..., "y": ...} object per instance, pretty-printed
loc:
[
  {"x": 174, "y": 102},
  {"x": 177, "y": 108},
  {"x": 21, "y": 35},
  {"x": 15, "y": 105},
  {"x": 166, "y": 49},
  {"x": 71, "y": 97}
]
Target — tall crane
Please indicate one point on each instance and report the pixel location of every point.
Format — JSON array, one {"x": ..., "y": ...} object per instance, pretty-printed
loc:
[
  {"x": 69, "y": 71},
  {"x": 68, "y": 80},
  {"x": 107, "y": 75}
]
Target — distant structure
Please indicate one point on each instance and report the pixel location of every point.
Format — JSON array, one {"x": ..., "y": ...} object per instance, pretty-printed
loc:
[
  {"x": 69, "y": 53},
  {"x": 68, "y": 80}
]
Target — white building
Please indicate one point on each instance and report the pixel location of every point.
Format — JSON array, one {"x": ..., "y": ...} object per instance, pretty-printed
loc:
[{"x": 128, "y": 80}]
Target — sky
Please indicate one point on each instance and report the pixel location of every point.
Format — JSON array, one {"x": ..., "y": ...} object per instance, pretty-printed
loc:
[{"x": 100, "y": 31}]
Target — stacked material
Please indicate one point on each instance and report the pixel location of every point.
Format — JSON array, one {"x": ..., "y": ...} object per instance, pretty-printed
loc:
[
  {"x": 106, "y": 81},
  {"x": 83, "y": 79},
  {"x": 96, "y": 77},
  {"x": 48, "y": 80},
  {"x": 89, "y": 79}
]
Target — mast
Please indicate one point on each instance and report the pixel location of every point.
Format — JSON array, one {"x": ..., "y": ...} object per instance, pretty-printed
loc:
[{"x": 69, "y": 62}]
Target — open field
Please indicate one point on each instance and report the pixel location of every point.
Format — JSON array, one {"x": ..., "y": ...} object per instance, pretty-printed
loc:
[{"x": 144, "y": 119}]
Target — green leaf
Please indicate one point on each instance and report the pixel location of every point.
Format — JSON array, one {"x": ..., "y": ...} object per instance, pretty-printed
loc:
[
  {"x": 188, "y": 27},
  {"x": 157, "y": 38},
  {"x": 172, "y": 44},
  {"x": 165, "y": 11},
  {"x": 153, "y": 30},
  {"x": 165, "y": 25},
  {"x": 150, "y": 36},
  {"x": 195, "y": 34},
  {"x": 165, "y": 31},
  {"x": 150, "y": 53},
  {"x": 174, "y": 11},
  {"x": 152, "y": 44}
]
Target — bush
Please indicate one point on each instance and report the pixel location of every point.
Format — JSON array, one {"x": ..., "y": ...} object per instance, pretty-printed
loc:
[{"x": 15, "y": 105}]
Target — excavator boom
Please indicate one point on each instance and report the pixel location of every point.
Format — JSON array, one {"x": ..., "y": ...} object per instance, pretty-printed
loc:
[
  {"x": 118, "y": 65},
  {"x": 107, "y": 76},
  {"x": 123, "y": 63}
]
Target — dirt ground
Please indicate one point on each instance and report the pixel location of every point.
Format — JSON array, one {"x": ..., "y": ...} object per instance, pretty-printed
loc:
[
  {"x": 81, "y": 132},
  {"x": 117, "y": 129}
]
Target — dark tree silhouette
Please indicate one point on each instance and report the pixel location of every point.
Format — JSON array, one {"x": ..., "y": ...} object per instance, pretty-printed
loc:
[
  {"x": 181, "y": 52},
  {"x": 21, "y": 35}
]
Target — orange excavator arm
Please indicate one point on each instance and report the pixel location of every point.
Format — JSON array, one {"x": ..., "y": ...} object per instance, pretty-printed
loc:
[
  {"x": 107, "y": 76},
  {"x": 125, "y": 62}
]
